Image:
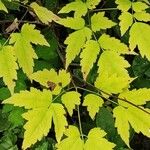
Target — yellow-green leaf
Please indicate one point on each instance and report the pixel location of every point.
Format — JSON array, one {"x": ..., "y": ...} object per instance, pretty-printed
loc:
[
  {"x": 137, "y": 97},
  {"x": 97, "y": 141},
  {"x": 113, "y": 44},
  {"x": 59, "y": 120},
  {"x": 34, "y": 37},
  {"x": 73, "y": 140},
  {"x": 121, "y": 123},
  {"x": 138, "y": 119},
  {"x": 52, "y": 80},
  {"x": 91, "y": 4},
  {"x": 93, "y": 102},
  {"x": 99, "y": 21},
  {"x": 139, "y": 6},
  {"x": 8, "y": 67},
  {"x": 112, "y": 83},
  {"x": 142, "y": 16},
  {"x": 2, "y": 7},
  {"x": 74, "y": 43},
  {"x": 40, "y": 114},
  {"x": 70, "y": 100},
  {"x": 31, "y": 99},
  {"x": 126, "y": 20},
  {"x": 73, "y": 23},
  {"x": 23, "y": 48},
  {"x": 44, "y": 14},
  {"x": 123, "y": 5},
  {"x": 88, "y": 56},
  {"x": 139, "y": 36},
  {"x": 38, "y": 125},
  {"x": 113, "y": 63},
  {"x": 77, "y": 6}
]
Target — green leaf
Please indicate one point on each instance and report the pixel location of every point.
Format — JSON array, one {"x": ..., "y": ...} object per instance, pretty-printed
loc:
[
  {"x": 45, "y": 15},
  {"x": 105, "y": 120},
  {"x": 70, "y": 100},
  {"x": 96, "y": 140},
  {"x": 73, "y": 23},
  {"x": 93, "y": 103},
  {"x": 126, "y": 20},
  {"x": 2, "y": 7},
  {"x": 91, "y": 4},
  {"x": 113, "y": 44},
  {"x": 74, "y": 43},
  {"x": 4, "y": 93},
  {"x": 139, "y": 6},
  {"x": 123, "y": 5},
  {"x": 139, "y": 36},
  {"x": 77, "y": 6},
  {"x": 142, "y": 16},
  {"x": 15, "y": 116},
  {"x": 8, "y": 67},
  {"x": 98, "y": 22},
  {"x": 23, "y": 48},
  {"x": 88, "y": 56}
]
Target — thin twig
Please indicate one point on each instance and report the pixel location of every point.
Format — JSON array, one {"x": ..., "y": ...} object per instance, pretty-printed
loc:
[{"x": 113, "y": 96}]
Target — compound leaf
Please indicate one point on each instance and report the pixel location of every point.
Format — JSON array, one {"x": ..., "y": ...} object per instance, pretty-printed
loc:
[{"x": 40, "y": 114}]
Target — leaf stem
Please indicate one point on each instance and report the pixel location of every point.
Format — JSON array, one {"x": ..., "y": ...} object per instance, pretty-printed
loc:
[
  {"x": 78, "y": 110},
  {"x": 102, "y": 9}
]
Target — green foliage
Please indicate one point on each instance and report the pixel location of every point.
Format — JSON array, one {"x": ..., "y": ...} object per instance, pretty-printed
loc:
[{"x": 74, "y": 75}]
